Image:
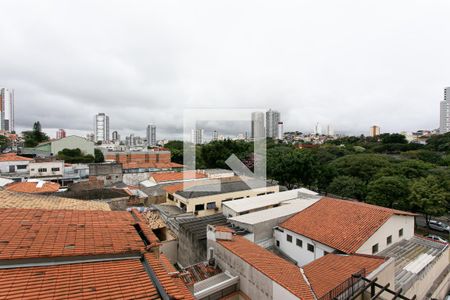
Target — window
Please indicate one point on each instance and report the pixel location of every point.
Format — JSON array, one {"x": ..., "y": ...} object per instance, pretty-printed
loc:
[
  {"x": 228, "y": 199},
  {"x": 310, "y": 247},
  {"x": 55, "y": 169},
  {"x": 211, "y": 205},
  {"x": 289, "y": 238},
  {"x": 40, "y": 170},
  {"x": 400, "y": 232},
  {"x": 299, "y": 243},
  {"x": 389, "y": 240},
  {"x": 199, "y": 207},
  {"x": 278, "y": 243},
  {"x": 260, "y": 194},
  {"x": 170, "y": 196},
  {"x": 21, "y": 167},
  {"x": 374, "y": 248}
]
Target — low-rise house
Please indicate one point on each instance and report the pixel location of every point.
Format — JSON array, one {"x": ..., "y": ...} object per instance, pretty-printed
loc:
[
  {"x": 33, "y": 187},
  {"x": 74, "y": 254},
  {"x": 207, "y": 199},
  {"x": 341, "y": 226},
  {"x": 53, "y": 147},
  {"x": 50, "y": 169},
  {"x": 108, "y": 173},
  {"x": 12, "y": 165}
]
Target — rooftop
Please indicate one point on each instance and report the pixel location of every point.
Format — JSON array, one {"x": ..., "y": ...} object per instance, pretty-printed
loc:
[
  {"x": 411, "y": 258},
  {"x": 341, "y": 224},
  {"x": 243, "y": 205},
  {"x": 150, "y": 165},
  {"x": 33, "y": 187},
  {"x": 10, "y": 199},
  {"x": 279, "y": 270},
  {"x": 329, "y": 271},
  {"x": 274, "y": 213},
  {"x": 39, "y": 233},
  {"x": 221, "y": 188},
  {"x": 176, "y": 176},
  {"x": 13, "y": 157}
]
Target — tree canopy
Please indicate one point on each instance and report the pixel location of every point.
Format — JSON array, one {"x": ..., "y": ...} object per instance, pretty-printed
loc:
[{"x": 35, "y": 136}]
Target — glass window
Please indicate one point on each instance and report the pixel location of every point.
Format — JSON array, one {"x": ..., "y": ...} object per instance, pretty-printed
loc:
[
  {"x": 40, "y": 170},
  {"x": 299, "y": 243},
  {"x": 55, "y": 169},
  {"x": 289, "y": 238},
  {"x": 310, "y": 247},
  {"x": 400, "y": 232},
  {"x": 199, "y": 207},
  {"x": 389, "y": 240},
  {"x": 21, "y": 167},
  {"x": 374, "y": 248},
  {"x": 211, "y": 205}
]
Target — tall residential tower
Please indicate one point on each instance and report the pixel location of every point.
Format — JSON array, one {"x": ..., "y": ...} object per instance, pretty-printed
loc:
[
  {"x": 7, "y": 109},
  {"x": 272, "y": 120},
  {"x": 101, "y": 128},
  {"x": 151, "y": 135},
  {"x": 445, "y": 112},
  {"x": 257, "y": 126}
]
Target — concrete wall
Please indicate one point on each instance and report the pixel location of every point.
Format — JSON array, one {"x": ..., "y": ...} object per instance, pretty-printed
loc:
[
  {"x": 108, "y": 173},
  {"x": 73, "y": 142},
  {"x": 190, "y": 250},
  {"x": 300, "y": 254},
  {"x": 192, "y": 202},
  {"x": 4, "y": 166},
  {"x": 170, "y": 249},
  {"x": 58, "y": 166},
  {"x": 135, "y": 178},
  {"x": 390, "y": 228}
]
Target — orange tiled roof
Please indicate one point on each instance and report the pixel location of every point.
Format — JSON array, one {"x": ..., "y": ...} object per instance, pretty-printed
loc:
[
  {"x": 341, "y": 224},
  {"x": 32, "y": 187},
  {"x": 148, "y": 165},
  {"x": 13, "y": 157},
  {"x": 38, "y": 233},
  {"x": 173, "y": 188},
  {"x": 123, "y": 279},
  {"x": 173, "y": 286},
  {"x": 279, "y": 270},
  {"x": 177, "y": 176},
  {"x": 329, "y": 271}
]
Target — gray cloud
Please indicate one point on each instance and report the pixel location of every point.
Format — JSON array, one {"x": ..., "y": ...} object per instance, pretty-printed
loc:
[{"x": 345, "y": 63}]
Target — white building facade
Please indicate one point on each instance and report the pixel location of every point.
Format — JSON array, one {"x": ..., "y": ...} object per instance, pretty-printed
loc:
[
  {"x": 101, "y": 128},
  {"x": 272, "y": 120},
  {"x": 151, "y": 135},
  {"x": 7, "y": 109},
  {"x": 445, "y": 112}
]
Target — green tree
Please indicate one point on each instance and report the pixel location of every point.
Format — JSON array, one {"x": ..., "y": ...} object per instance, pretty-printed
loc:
[
  {"x": 34, "y": 137},
  {"x": 362, "y": 166},
  {"x": 74, "y": 156},
  {"x": 98, "y": 156},
  {"x": 428, "y": 197},
  {"x": 389, "y": 191},
  {"x": 176, "y": 151},
  {"x": 4, "y": 142},
  {"x": 393, "y": 138},
  {"x": 440, "y": 143},
  {"x": 347, "y": 186}
]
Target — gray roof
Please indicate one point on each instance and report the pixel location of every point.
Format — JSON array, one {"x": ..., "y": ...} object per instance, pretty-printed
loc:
[
  {"x": 197, "y": 226},
  {"x": 223, "y": 188}
]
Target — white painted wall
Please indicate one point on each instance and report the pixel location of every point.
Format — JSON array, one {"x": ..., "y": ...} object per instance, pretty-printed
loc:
[
  {"x": 4, "y": 166},
  {"x": 280, "y": 293},
  {"x": 300, "y": 254},
  {"x": 49, "y": 165},
  {"x": 391, "y": 227}
]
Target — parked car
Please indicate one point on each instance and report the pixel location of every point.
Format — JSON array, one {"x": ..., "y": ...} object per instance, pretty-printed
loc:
[
  {"x": 436, "y": 238},
  {"x": 439, "y": 226}
]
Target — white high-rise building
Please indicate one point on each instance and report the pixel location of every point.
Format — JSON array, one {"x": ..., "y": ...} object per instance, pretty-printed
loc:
[
  {"x": 280, "y": 131},
  {"x": 445, "y": 112},
  {"x": 115, "y": 136},
  {"x": 197, "y": 136},
  {"x": 7, "y": 109},
  {"x": 257, "y": 126},
  {"x": 215, "y": 135},
  {"x": 151, "y": 135},
  {"x": 101, "y": 128},
  {"x": 272, "y": 119}
]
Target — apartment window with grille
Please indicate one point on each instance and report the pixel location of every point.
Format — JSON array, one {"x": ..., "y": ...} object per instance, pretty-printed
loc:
[
  {"x": 299, "y": 243},
  {"x": 374, "y": 248},
  {"x": 199, "y": 207},
  {"x": 55, "y": 169},
  {"x": 40, "y": 170},
  {"x": 389, "y": 240},
  {"x": 310, "y": 247},
  {"x": 21, "y": 167},
  {"x": 289, "y": 238},
  {"x": 400, "y": 232}
]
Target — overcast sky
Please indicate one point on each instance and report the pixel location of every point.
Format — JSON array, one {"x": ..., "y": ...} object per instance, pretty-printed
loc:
[{"x": 350, "y": 64}]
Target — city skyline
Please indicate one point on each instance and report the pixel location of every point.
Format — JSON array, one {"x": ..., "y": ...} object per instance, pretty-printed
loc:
[{"x": 330, "y": 73}]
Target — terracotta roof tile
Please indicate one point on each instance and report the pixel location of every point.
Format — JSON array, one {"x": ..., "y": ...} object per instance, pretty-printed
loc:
[
  {"x": 10, "y": 199},
  {"x": 13, "y": 157},
  {"x": 331, "y": 270},
  {"x": 279, "y": 270},
  {"x": 33, "y": 187},
  {"x": 38, "y": 233},
  {"x": 177, "y": 176},
  {"x": 124, "y": 279},
  {"x": 173, "y": 286},
  {"x": 341, "y": 224}
]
